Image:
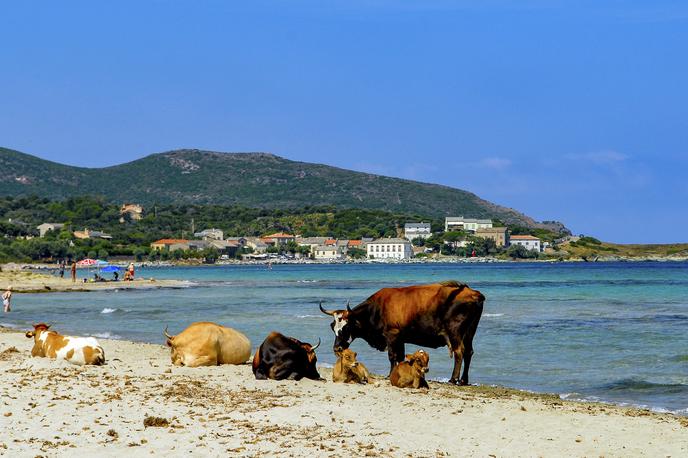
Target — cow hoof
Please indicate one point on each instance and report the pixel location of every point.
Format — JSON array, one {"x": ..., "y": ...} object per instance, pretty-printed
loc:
[
  {"x": 463, "y": 382},
  {"x": 453, "y": 381}
]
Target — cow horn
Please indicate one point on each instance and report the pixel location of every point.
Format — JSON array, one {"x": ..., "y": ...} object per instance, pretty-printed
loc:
[
  {"x": 316, "y": 346},
  {"x": 326, "y": 312},
  {"x": 348, "y": 308},
  {"x": 166, "y": 334}
]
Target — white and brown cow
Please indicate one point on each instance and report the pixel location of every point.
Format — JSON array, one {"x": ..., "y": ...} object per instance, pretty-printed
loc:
[
  {"x": 208, "y": 344},
  {"x": 76, "y": 350}
]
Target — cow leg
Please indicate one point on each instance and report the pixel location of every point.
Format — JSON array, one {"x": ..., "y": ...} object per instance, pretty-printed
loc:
[
  {"x": 469, "y": 352},
  {"x": 458, "y": 359},
  {"x": 395, "y": 351}
]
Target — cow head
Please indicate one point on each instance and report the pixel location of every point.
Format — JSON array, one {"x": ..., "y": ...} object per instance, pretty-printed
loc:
[
  {"x": 419, "y": 361},
  {"x": 175, "y": 356},
  {"x": 342, "y": 327},
  {"x": 348, "y": 358},
  {"x": 311, "y": 370},
  {"x": 37, "y": 329}
]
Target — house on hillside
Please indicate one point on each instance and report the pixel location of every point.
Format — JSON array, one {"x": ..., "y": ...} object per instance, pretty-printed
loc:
[
  {"x": 498, "y": 234},
  {"x": 133, "y": 211},
  {"x": 390, "y": 248},
  {"x": 178, "y": 244},
  {"x": 527, "y": 241},
  {"x": 459, "y": 223},
  {"x": 416, "y": 230},
  {"x": 88, "y": 234},
  {"x": 210, "y": 234},
  {"x": 256, "y": 244},
  {"x": 327, "y": 252},
  {"x": 280, "y": 238},
  {"x": 45, "y": 227}
]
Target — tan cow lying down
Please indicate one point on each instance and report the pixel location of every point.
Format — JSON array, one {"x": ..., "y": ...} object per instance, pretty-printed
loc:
[
  {"x": 76, "y": 350},
  {"x": 411, "y": 372},
  {"x": 348, "y": 370},
  {"x": 208, "y": 344}
]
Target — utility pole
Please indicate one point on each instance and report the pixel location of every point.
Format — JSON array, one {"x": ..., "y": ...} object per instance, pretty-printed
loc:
[{"x": 193, "y": 226}]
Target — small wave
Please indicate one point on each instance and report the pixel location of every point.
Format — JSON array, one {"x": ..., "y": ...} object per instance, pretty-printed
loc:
[
  {"x": 492, "y": 314},
  {"x": 109, "y": 310},
  {"x": 306, "y": 281},
  {"x": 308, "y": 316},
  {"x": 106, "y": 335}
]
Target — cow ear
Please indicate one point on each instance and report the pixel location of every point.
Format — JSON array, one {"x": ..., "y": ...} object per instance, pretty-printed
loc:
[
  {"x": 409, "y": 357},
  {"x": 30, "y": 334},
  {"x": 168, "y": 342}
]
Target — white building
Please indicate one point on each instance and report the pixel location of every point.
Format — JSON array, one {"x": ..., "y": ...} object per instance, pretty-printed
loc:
[
  {"x": 324, "y": 252},
  {"x": 389, "y": 249},
  {"x": 45, "y": 227},
  {"x": 527, "y": 241},
  {"x": 415, "y": 230},
  {"x": 210, "y": 234},
  {"x": 459, "y": 223}
]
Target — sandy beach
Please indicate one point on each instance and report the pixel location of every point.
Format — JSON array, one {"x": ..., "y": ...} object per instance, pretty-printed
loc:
[
  {"x": 140, "y": 405},
  {"x": 30, "y": 282}
]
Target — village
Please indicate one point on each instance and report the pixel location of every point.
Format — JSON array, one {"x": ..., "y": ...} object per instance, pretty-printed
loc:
[{"x": 415, "y": 240}]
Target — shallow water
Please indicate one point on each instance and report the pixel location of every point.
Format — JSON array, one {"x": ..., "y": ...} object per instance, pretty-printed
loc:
[{"x": 614, "y": 332}]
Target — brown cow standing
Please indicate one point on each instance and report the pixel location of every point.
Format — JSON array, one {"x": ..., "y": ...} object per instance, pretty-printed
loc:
[
  {"x": 348, "y": 370},
  {"x": 411, "y": 372},
  {"x": 432, "y": 315}
]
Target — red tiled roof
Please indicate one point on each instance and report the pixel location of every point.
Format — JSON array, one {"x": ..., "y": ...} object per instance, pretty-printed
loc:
[
  {"x": 330, "y": 242},
  {"x": 280, "y": 235},
  {"x": 169, "y": 241},
  {"x": 523, "y": 237},
  {"x": 355, "y": 242}
]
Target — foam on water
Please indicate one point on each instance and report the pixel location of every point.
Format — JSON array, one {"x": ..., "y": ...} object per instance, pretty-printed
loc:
[
  {"x": 109, "y": 310},
  {"x": 106, "y": 335}
]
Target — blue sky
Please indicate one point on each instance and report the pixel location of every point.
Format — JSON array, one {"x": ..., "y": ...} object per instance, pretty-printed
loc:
[{"x": 568, "y": 110}]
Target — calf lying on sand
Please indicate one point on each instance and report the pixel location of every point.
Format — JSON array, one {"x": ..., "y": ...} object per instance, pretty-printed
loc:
[
  {"x": 348, "y": 370},
  {"x": 411, "y": 372},
  {"x": 76, "y": 350}
]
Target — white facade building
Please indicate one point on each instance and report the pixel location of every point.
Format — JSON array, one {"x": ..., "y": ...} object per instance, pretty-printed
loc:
[
  {"x": 527, "y": 241},
  {"x": 45, "y": 227},
  {"x": 210, "y": 234},
  {"x": 415, "y": 230},
  {"x": 459, "y": 223},
  {"x": 389, "y": 249}
]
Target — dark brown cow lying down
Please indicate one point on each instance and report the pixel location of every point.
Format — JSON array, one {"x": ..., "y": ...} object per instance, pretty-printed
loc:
[
  {"x": 432, "y": 316},
  {"x": 280, "y": 357},
  {"x": 208, "y": 344}
]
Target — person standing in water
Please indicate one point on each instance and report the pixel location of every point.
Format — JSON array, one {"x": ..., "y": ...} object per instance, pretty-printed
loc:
[
  {"x": 73, "y": 271},
  {"x": 7, "y": 299}
]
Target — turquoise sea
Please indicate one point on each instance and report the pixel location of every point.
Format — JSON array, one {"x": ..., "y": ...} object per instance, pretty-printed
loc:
[{"x": 615, "y": 332}]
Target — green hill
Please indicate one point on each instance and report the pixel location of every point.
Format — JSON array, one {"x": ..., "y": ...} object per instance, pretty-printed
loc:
[{"x": 250, "y": 179}]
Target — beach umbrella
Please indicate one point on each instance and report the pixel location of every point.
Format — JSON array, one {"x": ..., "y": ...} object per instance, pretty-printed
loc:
[
  {"x": 110, "y": 269},
  {"x": 86, "y": 262}
]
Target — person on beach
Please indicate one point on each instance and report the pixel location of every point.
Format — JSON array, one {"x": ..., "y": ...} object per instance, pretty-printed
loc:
[
  {"x": 6, "y": 299},
  {"x": 62, "y": 268},
  {"x": 73, "y": 271},
  {"x": 130, "y": 270}
]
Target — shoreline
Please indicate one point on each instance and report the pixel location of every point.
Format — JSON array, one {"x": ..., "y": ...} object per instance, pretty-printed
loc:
[
  {"x": 223, "y": 409},
  {"x": 28, "y": 281}
]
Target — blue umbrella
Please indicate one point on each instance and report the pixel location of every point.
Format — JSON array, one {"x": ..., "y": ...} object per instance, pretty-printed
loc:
[{"x": 110, "y": 269}]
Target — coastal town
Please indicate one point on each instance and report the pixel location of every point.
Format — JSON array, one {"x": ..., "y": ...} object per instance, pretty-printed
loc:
[{"x": 461, "y": 236}]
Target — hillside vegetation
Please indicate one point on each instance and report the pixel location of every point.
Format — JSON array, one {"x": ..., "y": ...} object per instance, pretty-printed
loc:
[
  {"x": 590, "y": 249},
  {"x": 252, "y": 180}
]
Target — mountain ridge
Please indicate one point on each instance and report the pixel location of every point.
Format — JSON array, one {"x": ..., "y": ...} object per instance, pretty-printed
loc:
[{"x": 253, "y": 179}]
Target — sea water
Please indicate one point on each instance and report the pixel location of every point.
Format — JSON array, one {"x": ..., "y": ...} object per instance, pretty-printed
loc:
[{"x": 615, "y": 332}]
